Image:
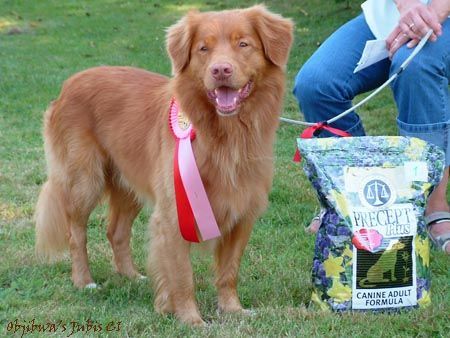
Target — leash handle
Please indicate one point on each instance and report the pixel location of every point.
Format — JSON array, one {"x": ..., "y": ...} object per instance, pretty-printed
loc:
[
  {"x": 402, "y": 67},
  {"x": 315, "y": 128}
]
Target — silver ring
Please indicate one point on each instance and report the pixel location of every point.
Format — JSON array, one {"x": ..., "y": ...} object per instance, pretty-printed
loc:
[
  {"x": 396, "y": 40},
  {"x": 411, "y": 25}
]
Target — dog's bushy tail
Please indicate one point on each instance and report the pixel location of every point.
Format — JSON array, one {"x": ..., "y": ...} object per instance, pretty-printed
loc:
[
  {"x": 51, "y": 217},
  {"x": 51, "y": 222}
]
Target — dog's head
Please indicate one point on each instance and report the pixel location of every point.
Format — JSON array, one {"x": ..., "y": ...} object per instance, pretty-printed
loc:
[{"x": 223, "y": 55}]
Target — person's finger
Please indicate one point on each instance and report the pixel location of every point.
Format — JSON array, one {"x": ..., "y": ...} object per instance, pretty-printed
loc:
[
  {"x": 412, "y": 27},
  {"x": 420, "y": 26},
  {"x": 398, "y": 41},
  {"x": 406, "y": 29},
  {"x": 390, "y": 39},
  {"x": 413, "y": 43},
  {"x": 430, "y": 17}
]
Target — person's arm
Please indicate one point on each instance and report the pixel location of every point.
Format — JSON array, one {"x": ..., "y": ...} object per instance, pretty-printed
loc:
[
  {"x": 416, "y": 19},
  {"x": 442, "y": 9}
]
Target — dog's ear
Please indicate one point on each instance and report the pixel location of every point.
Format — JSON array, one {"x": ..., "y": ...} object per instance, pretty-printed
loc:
[
  {"x": 179, "y": 41},
  {"x": 275, "y": 32}
]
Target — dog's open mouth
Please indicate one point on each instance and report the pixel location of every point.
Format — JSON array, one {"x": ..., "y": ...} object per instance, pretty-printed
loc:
[{"x": 227, "y": 99}]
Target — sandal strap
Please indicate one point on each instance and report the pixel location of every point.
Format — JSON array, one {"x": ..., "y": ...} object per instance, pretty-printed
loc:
[
  {"x": 437, "y": 217},
  {"x": 316, "y": 219},
  {"x": 441, "y": 241}
]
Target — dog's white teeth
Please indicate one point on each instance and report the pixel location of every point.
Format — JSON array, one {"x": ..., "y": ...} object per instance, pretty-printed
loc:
[
  {"x": 216, "y": 91},
  {"x": 217, "y": 100},
  {"x": 234, "y": 101}
]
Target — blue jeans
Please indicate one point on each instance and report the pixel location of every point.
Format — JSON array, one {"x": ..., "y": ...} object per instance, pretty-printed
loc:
[{"x": 326, "y": 84}]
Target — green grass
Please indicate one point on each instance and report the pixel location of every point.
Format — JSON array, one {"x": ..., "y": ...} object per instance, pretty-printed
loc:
[{"x": 41, "y": 44}]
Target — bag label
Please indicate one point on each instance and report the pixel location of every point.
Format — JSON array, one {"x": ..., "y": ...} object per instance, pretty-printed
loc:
[
  {"x": 384, "y": 267},
  {"x": 385, "y": 278}
]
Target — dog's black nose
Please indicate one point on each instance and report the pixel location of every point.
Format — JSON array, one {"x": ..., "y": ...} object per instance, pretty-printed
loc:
[{"x": 221, "y": 71}]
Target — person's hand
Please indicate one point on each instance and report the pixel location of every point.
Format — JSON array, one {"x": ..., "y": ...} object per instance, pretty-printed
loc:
[{"x": 416, "y": 19}]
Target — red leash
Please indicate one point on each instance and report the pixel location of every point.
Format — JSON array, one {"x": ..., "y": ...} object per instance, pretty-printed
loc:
[{"x": 314, "y": 130}]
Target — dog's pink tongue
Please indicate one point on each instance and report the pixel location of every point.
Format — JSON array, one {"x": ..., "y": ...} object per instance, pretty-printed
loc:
[{"x": 226, "y": 97}]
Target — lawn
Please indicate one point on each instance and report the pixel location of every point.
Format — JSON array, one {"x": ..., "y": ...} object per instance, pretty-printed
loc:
[{"x": 42, "y": 42}]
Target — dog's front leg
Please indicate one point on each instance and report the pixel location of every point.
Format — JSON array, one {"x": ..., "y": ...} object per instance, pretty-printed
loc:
[
  {"x": 170, "y": 266},
  {"x": 227, "y": 261}
]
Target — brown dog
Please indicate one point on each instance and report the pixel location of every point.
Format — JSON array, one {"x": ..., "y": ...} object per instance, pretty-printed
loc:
[{"x": 108, "y": 132}]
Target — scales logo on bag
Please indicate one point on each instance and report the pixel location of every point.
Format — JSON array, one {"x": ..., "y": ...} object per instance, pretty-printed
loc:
[
  {"x": 376, "y": 192},
  {"x": 383, "y": 232}
]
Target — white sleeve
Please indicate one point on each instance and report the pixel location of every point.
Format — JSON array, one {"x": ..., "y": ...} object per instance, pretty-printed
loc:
[{"x": 382, "y": 16}]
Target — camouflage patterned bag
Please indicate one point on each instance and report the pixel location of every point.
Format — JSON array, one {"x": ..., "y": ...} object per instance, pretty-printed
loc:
[{"x": 372, "y": 249}]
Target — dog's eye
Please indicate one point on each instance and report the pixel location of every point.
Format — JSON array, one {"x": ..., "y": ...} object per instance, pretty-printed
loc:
[
  {"x": 203, "y": 49},
  {"x": 243, "y": 44}
]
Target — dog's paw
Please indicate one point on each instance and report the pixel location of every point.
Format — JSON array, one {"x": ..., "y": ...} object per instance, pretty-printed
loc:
[
  {"x": 237, "y": 311},
  {"x": 229, "y": 305},
  {"x": 142, "y": 277},
  {"x": 191, "y": 320},
  {"x": 248, "y": 312},
  {"x": 91, "y": 286}
]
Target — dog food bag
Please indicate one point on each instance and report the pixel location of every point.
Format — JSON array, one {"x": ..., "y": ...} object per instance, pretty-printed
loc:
[{"x": 372, "y": 249}]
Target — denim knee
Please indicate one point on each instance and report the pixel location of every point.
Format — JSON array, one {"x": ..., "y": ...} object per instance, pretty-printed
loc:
[
  {"x": 305, "y": 88},
  {"x": 421, "y": 90},
  {"x": 316, "y": 93},
  {"x": 411, "y": 76},
  {"x": 322, "y": 96}
]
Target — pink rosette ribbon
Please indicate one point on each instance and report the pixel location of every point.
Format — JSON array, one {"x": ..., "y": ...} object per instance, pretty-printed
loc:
[{"x": 193, "y": 207}]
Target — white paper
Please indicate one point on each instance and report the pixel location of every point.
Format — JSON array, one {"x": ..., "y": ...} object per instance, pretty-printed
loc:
[{"x": 374, "y": 51}]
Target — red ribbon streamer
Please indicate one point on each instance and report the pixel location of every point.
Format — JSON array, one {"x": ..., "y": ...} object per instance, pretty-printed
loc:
[{"x": 186, "y": 220}]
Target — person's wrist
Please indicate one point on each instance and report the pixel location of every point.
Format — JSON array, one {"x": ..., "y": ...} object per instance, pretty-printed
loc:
[
  {"x": 441, "y": 8},
  {"x": 404, "y": 4}
]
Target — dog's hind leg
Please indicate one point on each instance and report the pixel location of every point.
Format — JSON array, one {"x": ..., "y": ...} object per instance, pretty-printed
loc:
[
  {"x": 81, "y": 275},
  {"x": 86, "y": 188},
  {"x": 62, "y": 213},
  {"x": 228, "y": 255},
  {"x": 76, "y": 180},
  {"x": 61, "y": 223},
  {"x": 123, "y": 210},
  {"x": 170, "y": 266}
]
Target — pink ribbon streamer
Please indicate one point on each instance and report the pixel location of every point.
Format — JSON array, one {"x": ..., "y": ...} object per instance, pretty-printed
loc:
[
  {"x": 192, "y": 181},
  {"x": 193, "y": 185}
]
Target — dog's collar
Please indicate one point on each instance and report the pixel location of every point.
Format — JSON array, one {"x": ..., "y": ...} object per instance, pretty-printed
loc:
[{"x": 193, "y": 207}]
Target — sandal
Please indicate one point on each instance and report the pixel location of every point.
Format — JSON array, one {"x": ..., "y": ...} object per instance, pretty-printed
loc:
[
  {"x": 316, "y": 222},
  {"x": 440, "y": 241}
]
